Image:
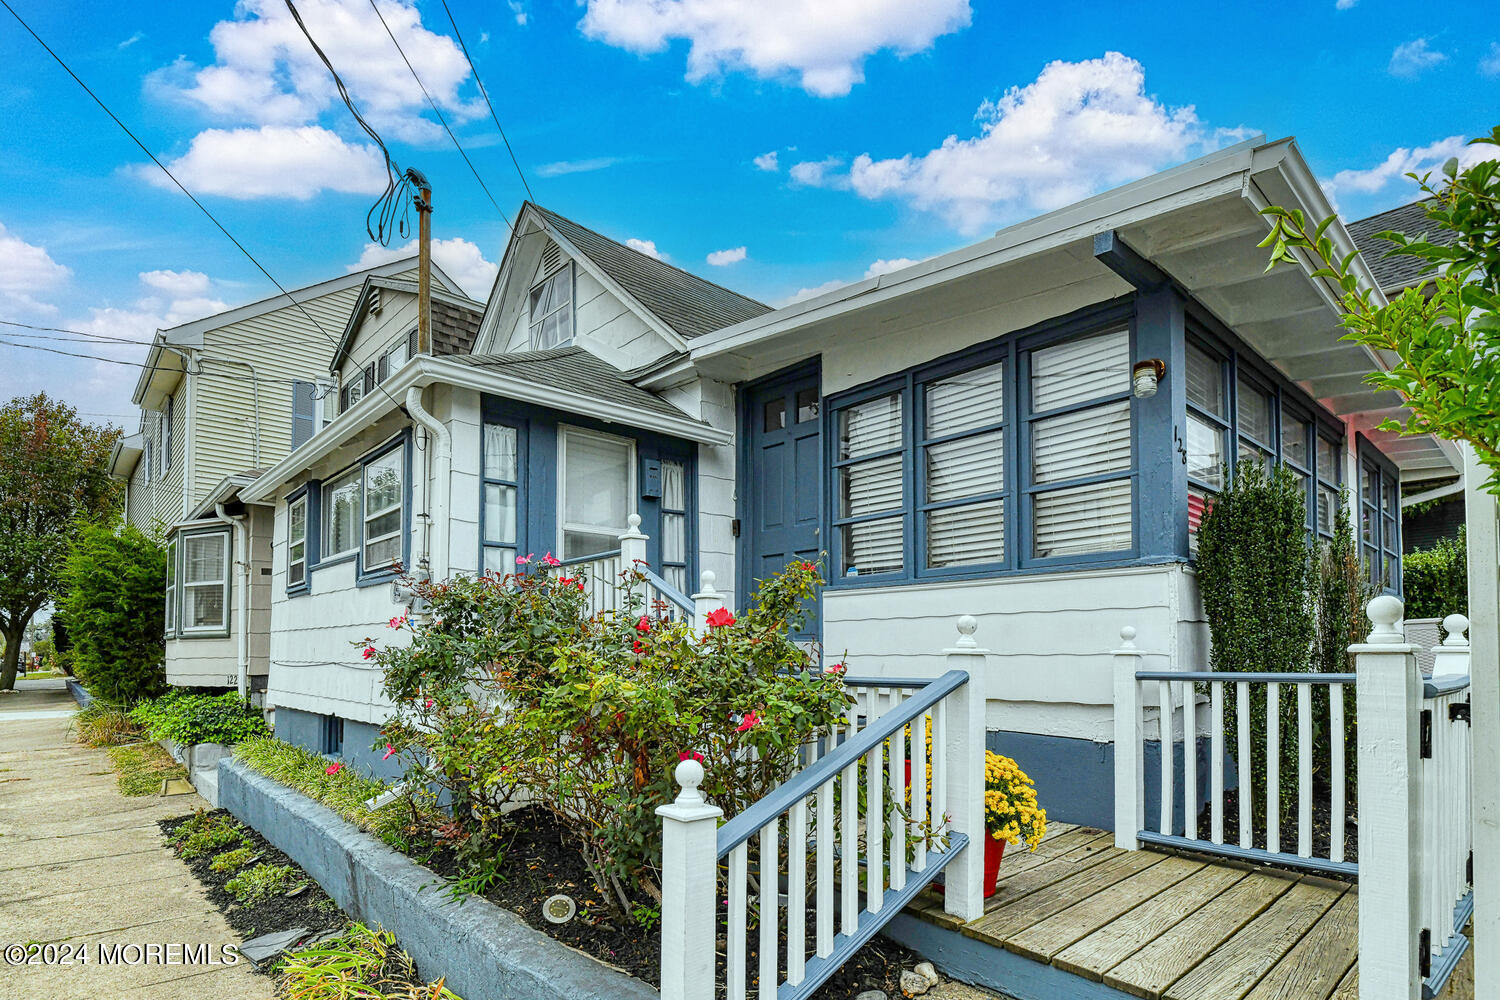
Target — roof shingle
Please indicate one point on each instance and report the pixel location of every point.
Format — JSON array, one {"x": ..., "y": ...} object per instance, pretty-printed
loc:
[
  {"x": 690, "y": 305},
  {"x": 1396, "y": 273},
  {"x": 573, "y": 369}
]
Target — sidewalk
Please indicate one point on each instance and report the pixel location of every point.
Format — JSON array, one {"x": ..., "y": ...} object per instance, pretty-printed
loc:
[{"x": 81, "y": 864}]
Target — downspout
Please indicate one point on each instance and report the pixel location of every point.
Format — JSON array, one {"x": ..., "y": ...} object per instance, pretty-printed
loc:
[
  {"x": 238, "y": 530},
  {"x": 435, "y": 534}
]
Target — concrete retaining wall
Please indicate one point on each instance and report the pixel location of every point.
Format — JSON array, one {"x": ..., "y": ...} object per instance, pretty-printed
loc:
[
  {"x": 80, "y": 693},
  {"x": 483, "y": 951}
]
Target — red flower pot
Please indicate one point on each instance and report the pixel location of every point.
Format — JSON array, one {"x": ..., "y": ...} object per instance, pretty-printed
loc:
[{"x": 994, "y": 850}]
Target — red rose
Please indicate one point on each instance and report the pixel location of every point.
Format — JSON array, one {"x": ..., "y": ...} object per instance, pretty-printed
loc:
[
  {"x": 751, "y": 720},
  {"x": 719, "y": 618}
]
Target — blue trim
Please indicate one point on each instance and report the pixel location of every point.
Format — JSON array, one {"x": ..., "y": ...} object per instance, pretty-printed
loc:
[
  {"x": 385, "y": 574},
  {"x": 521, "y": 427},
  {"x": 749, "y": 822},
  {"x": 1448, "y": 959},
  {"x": 1348, "y": 869},
  {"x": 1445, "y": 685},
  {"x": 845, "y": 945},
  {"x": 888, "y": 682},
  {"x": 1259, "y": 678},
  {"x": 1162, "y": 487},
  {"x": 306, "y": 492},
  {"x": 972, "y": 961}
]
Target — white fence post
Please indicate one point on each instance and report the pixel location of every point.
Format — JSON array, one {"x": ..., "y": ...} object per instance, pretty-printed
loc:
[
  {"x": 1450, "y": 658},
  {"x": 632, "y": 544},
  {"x": 964, "y": 732},
  {"x": 689, "y": 883},
  {"x": 706, "y": 600},
  {"x": 1130, "y": 762},
  {"x": 1388, "y": 691}
]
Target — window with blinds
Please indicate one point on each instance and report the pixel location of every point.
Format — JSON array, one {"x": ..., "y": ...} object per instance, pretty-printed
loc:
[
  {"x": 205, "y": 582},
  {"x": 1207, "y": 432},
  {"x": 499, "y": 495},
  {"x": 963, "y": 468},
  {"x": 1329, "y": 461},
  {"x": 1080, "y": 433},
  {"x": 869, "y": 483},
  {"x": 1380, "y": 520}
]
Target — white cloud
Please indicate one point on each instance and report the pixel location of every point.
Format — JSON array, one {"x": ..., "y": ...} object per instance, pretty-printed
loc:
[
  {"x": 127, "y": 43},
  {"x": 177, "y": 283},
  {"x": 767, "y": 162},
  {"x": 1490, "y": 64},
  {"x": 810, "y": 293},
  {"x": 818, "y": 173},
  {"x": 1415, "y": 57},
  {"x": 884, "y": 266},
  {"x": 723, "y": 258},
  {"x": 273, "y": 161},
  {"x": 459, "y": 259},
  {"x": 1344, "y": 4},
  {"x": 1402, "y": 161},
  {"x": 1078, "y": 128},
  {"x": 27, "y": 269},
  {"x": 519, "y": 10},
  {"x": 823, "y": 45},
  {"x": 562, "y": 167},
  {"x": 647, "y": 247},
  {"x": 265, "y": 73}
]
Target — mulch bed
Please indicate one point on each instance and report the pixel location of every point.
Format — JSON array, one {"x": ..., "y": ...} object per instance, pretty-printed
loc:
[
  {"x": 311, "y": 908},
  {"x": 539, "y": 863}
]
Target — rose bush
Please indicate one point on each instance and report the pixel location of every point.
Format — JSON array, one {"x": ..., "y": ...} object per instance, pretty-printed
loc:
[{"x": 509, "y": 690}]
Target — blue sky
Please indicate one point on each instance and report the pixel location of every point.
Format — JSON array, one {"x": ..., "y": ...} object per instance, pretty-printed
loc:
[{"x": 899, "y": 128}]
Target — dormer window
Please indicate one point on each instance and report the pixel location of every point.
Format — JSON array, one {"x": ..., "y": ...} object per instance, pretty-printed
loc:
[{"x": 552, "y": 310}]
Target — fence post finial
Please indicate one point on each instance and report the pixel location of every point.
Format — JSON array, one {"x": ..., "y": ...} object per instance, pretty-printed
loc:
[
  {"x": 967, "y": 625},
  {"x": 1130, "y": 759},
  {"x": 1385, "y": 614},
  {"x": 689, "y": 878},
  {"x": 1450, "y": 658},
  {"x": 1457, "y": 627},
  {"x": 632, "y": 544}
]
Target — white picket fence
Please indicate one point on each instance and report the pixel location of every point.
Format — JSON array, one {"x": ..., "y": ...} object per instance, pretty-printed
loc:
[
  {"x": 603, "y": 580},
  {"x": 1413, "y": 804},
  {"x": 858, "y": 878}
]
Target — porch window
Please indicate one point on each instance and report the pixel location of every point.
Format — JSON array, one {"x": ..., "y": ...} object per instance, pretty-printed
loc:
[
  {"x": 598, "y": 472},
  {"x": 171, "y": 602},
  {"x": 1330, "y": 468},
  {"x": 1297, "y": 455},
  {"x": 296, "y": 542},
  {"x": 963, "y": 471},
  {"x": 500, "y": 492},
  {"x": 1080, "y": 446},
  {"x": 674, "y": 558},
  {"x": 1253, "y": 407},
  {"x": 382, "y": 510},
  {"x": 870, "y": 478},
  {"x": 205, "y": 581},
  {"x": 1380, "y": 521},
  {"x": 341, "y": 516},
  {"x": 1207, "y": 432},
  {"x": 552, "y": 310}
]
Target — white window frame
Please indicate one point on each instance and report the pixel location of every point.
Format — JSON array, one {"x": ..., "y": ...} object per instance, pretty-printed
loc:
[
  {"x": 291, "y": 542},
  {"x": 325, "y": 550},
  {"x": 222, "y": 583},
  {"x": 534, "y": 322},
  {"x": 564, "y": 432},
  {"x": 172, "y": 578},
  {"x": 367, "y": 515}
]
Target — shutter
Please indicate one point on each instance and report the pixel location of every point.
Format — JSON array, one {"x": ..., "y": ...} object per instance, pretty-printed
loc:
[
  {"x": 411, "y": 343},
  {"x": 369, "y": 377},
  {"x": 383, "y": 368},
  {"x": 304, "y": 416}
]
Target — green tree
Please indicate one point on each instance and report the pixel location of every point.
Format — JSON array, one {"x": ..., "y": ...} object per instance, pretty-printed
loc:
[
  {"x": 1445, "y": 333},
  {"x": 115, "y": 602},
  {"x": 53, "y": 471},
  {"x": 1435, "y": 581}
]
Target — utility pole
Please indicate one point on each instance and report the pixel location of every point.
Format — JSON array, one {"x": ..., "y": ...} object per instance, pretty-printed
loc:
[{"x": 424, "y": 260}]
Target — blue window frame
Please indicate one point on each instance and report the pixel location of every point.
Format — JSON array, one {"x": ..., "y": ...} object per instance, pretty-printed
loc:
[
  {"x": 1380, "y": 518},
  {"x": 502, "y": 502},
  {"x": 331, "y": 735},
  {"x": 365, "y": 509}
]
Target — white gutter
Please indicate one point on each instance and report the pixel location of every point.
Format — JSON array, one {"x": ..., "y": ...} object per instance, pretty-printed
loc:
[
  {"x": 441, "y": 466},
  {"x": 1452, "y": 489},
  {"x": 240, "y": 534}
]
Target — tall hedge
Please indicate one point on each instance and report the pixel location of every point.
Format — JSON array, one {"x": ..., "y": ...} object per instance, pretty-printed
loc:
[
  {"x": 1254, "y": 571},
  {"x": 115, "y": 603},
  {"x": 1435, "y": 581}
]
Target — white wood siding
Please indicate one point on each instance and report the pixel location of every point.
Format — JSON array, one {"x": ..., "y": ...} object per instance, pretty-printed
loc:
[
  {"x": 397, "y": 318},
  {"x": 713, "y": 402},
  {"x": 215, "y": 662}
]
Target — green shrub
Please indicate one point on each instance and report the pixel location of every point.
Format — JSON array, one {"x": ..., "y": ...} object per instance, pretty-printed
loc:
[
  {"x": 344, "y": 790},
  {"x": 257, "y": 884},
  {"x": 363, "y": 964},
  {"x": 232, "y": 860},
  {"x": 103, "y": 724},
  {"x": 114, "y": 600},
  {"x": 188, "y": 718},
  {"x": 205, "y": 833},
  {"x": 513, "y": 688},
  {"x": 1435, "y": 581}
]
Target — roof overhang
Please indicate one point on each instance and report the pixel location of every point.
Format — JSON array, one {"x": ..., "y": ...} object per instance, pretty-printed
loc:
[
  {"x": 423, "y": 371},
  {"x": 1199, "y": 224},
  {"x": 165, "y": 366},
  {"x": 125, "y": 454},
  {"x": 227, "y": 489}
]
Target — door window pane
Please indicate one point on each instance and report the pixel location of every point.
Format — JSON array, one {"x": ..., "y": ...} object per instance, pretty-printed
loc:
[
  {"x": 500, "y": 561},
  {"x": 807, "y": 405},
  {"x": 596, "y": 492},
  {"x": 967, "y": 535},
  {"x": 499, "y": 452},
  {"x": 499, "y": 513},
  {"x": 1080, "y": 370},
  {"x": 775, "y": 414},
  {"x": 673, "y": 538},
  {"x": 963, "y": 402},
  {"x": 871, "y": 426},
  {"x": 1081, "y": 443},
  {"x": 1082, "y": 519},
  {"x": 673, "y": 486}
]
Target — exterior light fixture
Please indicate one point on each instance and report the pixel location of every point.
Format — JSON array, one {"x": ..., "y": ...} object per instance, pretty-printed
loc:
[{"x": 1145, "y": 375}]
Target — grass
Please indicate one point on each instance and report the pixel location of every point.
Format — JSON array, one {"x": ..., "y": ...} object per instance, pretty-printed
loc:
[
  {"x": 345, "y": 791},
  {"x": 104, "y": 725},
  {"x": 363, "y": 964},
  {"x": 140, "y": 768},
  {"x": 205, "y": 833},
  {"x": 231, "y": 861},
  {"x": 255, "y": 885}
]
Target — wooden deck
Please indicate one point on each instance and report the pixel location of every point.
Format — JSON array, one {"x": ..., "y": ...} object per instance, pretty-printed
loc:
[{"x": 1157, "y": 925}]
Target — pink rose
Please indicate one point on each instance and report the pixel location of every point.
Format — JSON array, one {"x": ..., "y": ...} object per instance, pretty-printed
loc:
[
  {"x": 551, "y": 560},
  {"x": 369, "y": 652},
  {"x": 388, "y": 752}
]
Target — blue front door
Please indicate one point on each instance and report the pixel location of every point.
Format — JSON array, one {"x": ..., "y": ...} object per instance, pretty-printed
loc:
[{"x": 782, "y": 481}]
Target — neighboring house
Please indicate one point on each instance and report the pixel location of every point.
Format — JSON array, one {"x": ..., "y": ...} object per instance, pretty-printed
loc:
[
  {"x": 219, "y": 397},
  {"x": 1026, "y": 430},
  {"x": 1434, "y": 507}
]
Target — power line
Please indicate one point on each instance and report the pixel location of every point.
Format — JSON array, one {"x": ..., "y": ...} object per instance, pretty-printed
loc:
[
  {"x": 433, "y": 104},
  {"x": 138, "y": 364},
  {"x": 486, "y": 95}
]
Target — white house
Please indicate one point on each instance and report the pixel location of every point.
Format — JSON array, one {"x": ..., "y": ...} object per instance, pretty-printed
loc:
[{"x": 1026, "y": 430}]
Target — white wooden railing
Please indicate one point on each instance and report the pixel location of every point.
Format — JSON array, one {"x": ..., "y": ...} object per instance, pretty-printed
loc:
[
  {"x": 1413, "y": 802},
  {"x": 858, "y": 877},
  {"x": 607, "y": 576}
]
